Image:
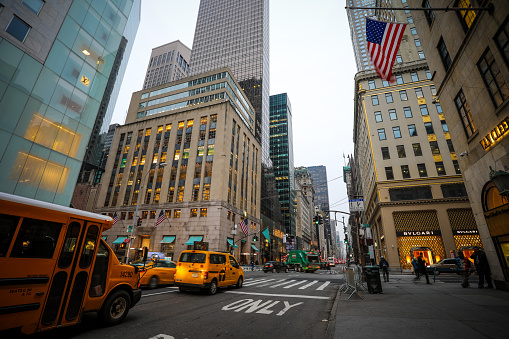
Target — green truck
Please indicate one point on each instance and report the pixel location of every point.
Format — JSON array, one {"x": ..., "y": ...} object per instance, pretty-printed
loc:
[{"x": 300, "y": 261}]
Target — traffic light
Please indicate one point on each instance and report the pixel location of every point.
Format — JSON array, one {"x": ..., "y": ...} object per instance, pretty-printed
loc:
[
  {"x": 316, "y": 220},
  {"x": 346, "y": 239},
  {"x": 139, "y": 221},
  {"x": 123, "y": 245},
  {"x": 254, "y": 238}
]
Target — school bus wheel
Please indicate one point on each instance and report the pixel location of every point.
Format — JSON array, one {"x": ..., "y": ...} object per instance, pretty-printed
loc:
[{"x": 115, "y": 308}]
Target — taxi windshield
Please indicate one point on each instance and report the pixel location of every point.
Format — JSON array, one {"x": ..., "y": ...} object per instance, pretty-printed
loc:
[{"x": 193, "y": 257}]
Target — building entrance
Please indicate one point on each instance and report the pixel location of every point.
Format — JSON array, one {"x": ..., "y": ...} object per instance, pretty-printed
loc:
[{"x": 426, "y": 252}]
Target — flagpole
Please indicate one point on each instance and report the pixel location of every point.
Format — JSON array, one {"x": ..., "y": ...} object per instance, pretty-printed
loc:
[{"x": 490, "y": 8}]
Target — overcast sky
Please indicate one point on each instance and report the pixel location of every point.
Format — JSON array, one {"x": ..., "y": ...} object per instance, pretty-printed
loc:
[{"x": 311, "y": 59}]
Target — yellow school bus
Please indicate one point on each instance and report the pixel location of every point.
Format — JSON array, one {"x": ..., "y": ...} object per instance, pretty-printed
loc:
[{"x": 54, "y": 266}]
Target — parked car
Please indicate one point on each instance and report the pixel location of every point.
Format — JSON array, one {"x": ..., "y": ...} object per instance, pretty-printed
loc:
[
  {"x": 207, "y": 270},
  {"x": 275, "y": 266},
  {"x": 446, "y": 266},
  {"x": 158, "y": 273}
]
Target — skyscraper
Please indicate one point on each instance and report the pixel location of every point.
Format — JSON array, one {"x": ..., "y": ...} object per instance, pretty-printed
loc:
[
  {"x": 56, "y": 63},
  {"x": 281, "y": 155},
  {"x": 319, "y": 176},
  {"x": 357, "y": 20}
]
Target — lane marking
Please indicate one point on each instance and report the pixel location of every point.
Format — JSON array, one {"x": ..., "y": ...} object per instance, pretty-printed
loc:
[
  {"x": 151, "y": 294},
  {"x": 280, "y": 295},
  {"x": 323, "y": 286},
  {"x": 295, "y": 284},
  {"x": 307, "y": 285}
]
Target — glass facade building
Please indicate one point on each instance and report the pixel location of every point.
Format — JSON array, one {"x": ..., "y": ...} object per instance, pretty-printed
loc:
[
  {"x": 319, "y": 176},
  {"x": 55, "y": 65},
  {"x": 281, "y": 155}
]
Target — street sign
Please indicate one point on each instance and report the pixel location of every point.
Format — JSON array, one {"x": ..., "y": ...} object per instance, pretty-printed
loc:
[
  {"x": 356, "y": 205},
  {"x": 129, "y": 229},
  {"x": 364, "y": 225}
]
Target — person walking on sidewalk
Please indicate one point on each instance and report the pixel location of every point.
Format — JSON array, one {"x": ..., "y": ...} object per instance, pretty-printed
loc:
[
  {"x": 465, "y": 269},
  {"x": 384, "y": 266},
  {"x": 482, "y": 267},
  {"x": 416, "y": 268},
  {"x": 422, "y": 268}
]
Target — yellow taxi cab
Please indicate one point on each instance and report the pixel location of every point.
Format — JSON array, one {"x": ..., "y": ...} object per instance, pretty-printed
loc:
[
  {"x": 207, "y": 270},
  {"x": 157, "y": 273}
]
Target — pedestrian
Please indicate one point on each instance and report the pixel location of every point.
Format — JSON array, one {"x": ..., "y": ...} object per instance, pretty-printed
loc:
[
  {"x": 465, "y": 269},
  {"x": 416, "y": 268},
  {"x": 482, "y": 267},
  {"x": 252, "y": 265},
  {"x": 421, "y": 263},
  {"x": 327, "y": 265},
  {"x": 384, "y": 266}
]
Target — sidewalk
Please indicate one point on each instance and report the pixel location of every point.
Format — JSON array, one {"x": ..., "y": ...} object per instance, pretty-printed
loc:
[{"x": 412, "y": 309}]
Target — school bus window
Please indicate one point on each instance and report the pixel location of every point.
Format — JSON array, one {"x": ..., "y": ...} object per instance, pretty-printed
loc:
[
  {"x": 36, "y": 239},
  {"x": 89, "y": 248},
  {"x": 99, "y": 275},
  {"x": 71, "y": 238},
  {"x": 8, "y": 224}
]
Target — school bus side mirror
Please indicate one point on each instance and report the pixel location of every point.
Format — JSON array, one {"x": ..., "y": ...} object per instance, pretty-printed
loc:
[{"x": 145, "y": 253}]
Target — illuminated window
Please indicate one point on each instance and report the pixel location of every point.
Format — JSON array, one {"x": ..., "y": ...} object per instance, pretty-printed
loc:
[
  {"x": 466, "y": 17},
  {"x": 181, "y": 125},
  {"x": 206, "y": 192},
  {"x": 417, "y": 149},
  {"x": 176, "y": 156},
  {"x": 194, "y": 212},
  {"x": 154, "y": 159},
  {"x": 210, "y": 150},
  {"x": 168, "y": 127},
  {"x": 148, "y": 132},
  {"x": 203, "y": 121},
  {"x": 203, "y": 212},
  {"x": 176, "y": 213},
  {"x": 440, "y": 168},
  {"x": 405, "y": 171},
  {"x": 190, "y": 123},
  {"x": 142, "y": 161},
  {"x": 180, "y": 196},
  {"x": 196, "y": 191}
]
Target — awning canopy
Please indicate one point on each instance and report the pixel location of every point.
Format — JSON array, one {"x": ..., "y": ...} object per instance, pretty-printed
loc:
[
  {"x": 119, "y": 240},
  {"x": 254, "y": 247},
  {"x": 167, "y": 240},
  {"x": 231, "y": 243},
  {"x": 104, "y": 237},
  {"x": 193, "y": 239}
]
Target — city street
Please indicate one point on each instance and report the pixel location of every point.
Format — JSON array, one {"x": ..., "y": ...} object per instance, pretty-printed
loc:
[{"x": 270, "y": 305}]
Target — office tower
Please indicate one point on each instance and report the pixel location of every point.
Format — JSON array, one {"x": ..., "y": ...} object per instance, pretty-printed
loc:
[
  {"x": 90, "y": 169},
  {"x": 281, "y": 155},
  {"x": 357, "y": 20},
  {"x": 187, "y": 150},
  {"x": 167, "y": 63},
  {"x": 305, "y": 211},
  {"x": 475, "y": 105},
  {"x": 57, "y": 60},
  {"x": 407, "y": 172},
  {"x": 319, "y": 176}
]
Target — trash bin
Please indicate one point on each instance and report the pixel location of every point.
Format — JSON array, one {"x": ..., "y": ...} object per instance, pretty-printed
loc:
[{"x": 372, "y": 274}]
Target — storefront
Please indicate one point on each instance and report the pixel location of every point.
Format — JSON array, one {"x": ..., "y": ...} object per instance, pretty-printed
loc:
[{"x": 412, "y": 244}]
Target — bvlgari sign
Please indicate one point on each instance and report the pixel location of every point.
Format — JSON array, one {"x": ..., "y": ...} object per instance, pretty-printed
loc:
[
  {"x": 497, "y": 133},
  {"x": 417, "y": 233},
  {"x": 461, "y": 232}
]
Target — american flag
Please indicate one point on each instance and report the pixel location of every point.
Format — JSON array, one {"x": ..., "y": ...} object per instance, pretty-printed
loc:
[
  {"x": 383, "y": 44},
  {"x": 243, "y": 226},
  {"x": 161, "y": 218},
  {"x": 115, "y": 218}
]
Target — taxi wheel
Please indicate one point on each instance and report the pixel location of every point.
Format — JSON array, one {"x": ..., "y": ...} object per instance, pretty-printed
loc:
[
  {"x": 153, "y": 282},
  {"x": 115, "y": 308},
  {"x": 213, "y": 287},
  {"x": 273, "y": 270},
  {"x": 286, "y": 270},
  {"x": 239, "y": 282}
]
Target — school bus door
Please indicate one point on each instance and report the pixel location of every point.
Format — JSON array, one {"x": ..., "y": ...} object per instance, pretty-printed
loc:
[{"x": 72, "y": 275}]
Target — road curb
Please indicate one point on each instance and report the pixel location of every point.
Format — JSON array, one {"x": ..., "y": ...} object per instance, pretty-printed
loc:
[{"x": 331, "y": 326}]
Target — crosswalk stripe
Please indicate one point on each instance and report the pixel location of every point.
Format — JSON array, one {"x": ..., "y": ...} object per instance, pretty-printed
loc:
[
  {"x": 307, "y": 285},
  {"x": 256, "y": 282},
  {"x": 297, "y": 283},
  {"x": 283, "y": 283},
  {"x": 323, "y": 286}
]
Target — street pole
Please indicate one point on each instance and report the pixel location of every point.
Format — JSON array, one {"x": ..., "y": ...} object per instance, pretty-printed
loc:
[{"x": 131, "y": 237}]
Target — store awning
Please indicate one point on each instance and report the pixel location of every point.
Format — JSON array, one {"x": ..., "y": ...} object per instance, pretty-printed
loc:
[
  {"x": 119, "y": 240},
  {"x": 104, "y": 237},
  {"x": 254, "y": 247},
  {"x": 231, "y": 243},
  {"x": 167, "y": 240},
  {"x": 193, "y": 239}
]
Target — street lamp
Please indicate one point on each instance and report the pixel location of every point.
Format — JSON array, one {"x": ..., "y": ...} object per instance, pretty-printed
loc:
[
  {"x": 501, "y": 181},
  {"x": 137, "y": 207}
]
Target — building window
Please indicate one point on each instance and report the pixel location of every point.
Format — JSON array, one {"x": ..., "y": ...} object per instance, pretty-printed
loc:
[
  {"x": 413, "y": 30},
  {"x": 417, "y": 42},
  {"x": 399, "y": 59},
  {"x": 381, "y": 134},
  {"x": 414, "y": 76},
  {"x": 422, "y": 170},
  {"x": 206, "y": 192},
  {"x": 412, "y": 131},
  {"x": 176, "y": 213},
  {"x": 403, "y": 95},
  {"x": 385, "y": 153},
  {"x": 424, "y": 109},
  {"x": 465, "y": 114},
  {"x": 440, "y": 168},
  {"x": 34, "y": 5},
  {"x": 444, "y": 126},
  {"x": 428, "y": 74},
  {"x": 378, "y": 116},
  {"x": 385, "y": 83},
  {"x": 430, "y": 17},
  {"x": 194, "y": 212},
  {"x": 374, "y": 100},
  {"x": 410, "y": 20},
  {"x": 410, "y": 193},
  {"x": 456, "y": 166},
  {"x": 388, "y": 98},
  {"x": 438, "y": 107},
  {"x": 203, "y": 212},
  {"x": 399, "y": 79},
  {"x": 405, "y": 171},
  {"x": 388, "y": 173},
  {"x": 502, "y": 40},
  {"x": 429, "y": 128},
  {"x": 434, "y": 147},
  {"x": 408, "y": 111},
  {"x": 418, "y": 92},
  {"x": 18, "y": 28},
  {"x": 397, "y": 132},
  {"x": 401, "y": 151},
  {"x": 493, "y": 79},
  {"x": 417, "y": 149},
  {"x": 466, "y": 17},
  {"x": 371, "y": 84},
  {"x": 421, "y": 55},
  {"x": 444, "y": 54},
  {"x": 450, "y": 146},
  {"x": 392, "y": 114},
  {"x": 196, "y": 190}
]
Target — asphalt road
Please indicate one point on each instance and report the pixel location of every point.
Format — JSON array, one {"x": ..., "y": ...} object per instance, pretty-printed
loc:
[{"x": 269, "y": 305}]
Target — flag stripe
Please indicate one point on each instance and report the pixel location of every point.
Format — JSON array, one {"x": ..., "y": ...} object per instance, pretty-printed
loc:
[
  {"x": 243, "y": 226},
  {"x": 161, "y": 218},
  {"x": 115, "y": 218}
]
